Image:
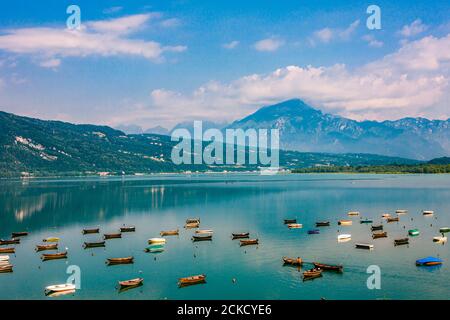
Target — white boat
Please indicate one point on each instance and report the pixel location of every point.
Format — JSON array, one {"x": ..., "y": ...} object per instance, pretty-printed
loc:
[
  {"x": 386, "y": 215},
  {"x": 440, "y": 239},
  {"x": 156, "y": 240},
  {"x": 4, "y": 258},
  {"x": 401, "y": 211},
  {"x": 295, "y": 226},
  {"x": 428, "y": 212},
  {"x": 353, "y": 213},
  {"x": 59, "y": 288},
  {"x": 205, "y": 231},
  {"x": 4, "y": 263},
  {"x": 345, "y": 222},
  {"x": 344, "y": 237}
]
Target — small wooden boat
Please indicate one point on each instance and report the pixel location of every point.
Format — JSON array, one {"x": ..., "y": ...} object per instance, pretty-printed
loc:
[
  {"x": 377, "y": 227},
  {"x": 401, "y": 211},
  {"x": 429, "y": 261},
  {"x": 288, "y": 221},
  {"x": 399, "y": 242},
  {"x": 128, "y": 229},
  {"x": 98, "y": 244},
  {"x": 295, "y": 226},
  {"x": 344, "y": 237},
  {"x": 353, "y": 213},
  {"x": 293, "y": 261},
  {"x": 193, "y": 220},
  {"x": 108, "y": 236},
  {"x": 249, "y": 242},
  {"x": 323, "y": 224},
  {"x": 444, "y": 229},
  {"x": 4, "y": 258},
  {"x": 314, "y": 231},
  {"x": 19, "y": 234},
  {"x": 312, "y": 274},
  {"x": 428, "y": 213},
  {"x": 365, "y": 221},
  {"x": 4, "y": 263},
  {"x": 133, "y": 283},
  {"x": 90, "y": 231},
  {"x": 440, "y": 239},
  {"x": 114, "y": 261},
  {"x": 46, "y": 247},
  {"x": 51, "y": 239},
  {"x": 413, "y": 232},
  {"x": 328, "y": 267},
  {"x": 156, "y": 240},
  {"x": 393, "y": 219},
  {"x": 243, "y": 235},
  {"x": 192, "y": 225},
  {"x": 378, "y": 235},
  {"x": 9, "y": 241},
  {"x": 54, "y": 256},
  {"x": 201, "y": 278},
  {"x": 59, "y": 288},
  {"x": 345, "y": 222},
  {"x": 6, "y": 268},
  {"x": 386, "y": 215},
  {"x": 155, "y": 248},
  {"x": 206, "y": 237},
  {"x": 169, "y": 233},
  {"x": 205, "y": 231},
  {"x": 364, "y": 246},
  {"x": 7, "y": 250}
]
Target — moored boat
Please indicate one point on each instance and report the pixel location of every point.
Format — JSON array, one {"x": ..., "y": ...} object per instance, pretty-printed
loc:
[
  {"x": 378, "y": 235},
  {"x": 97, "y": 244},
  {"x": 413, "y": 232},
  {"x": 155, "y": 248},
  {"x": 156, "y": 240},
  {"x": 19, "y": 234},
  {"x": 4, "y": 242},
  {"x": 314, "y": 231},
  {"x": 365, "y": 221},
  {"x": 366, "y": 246},
  {"x": 192, "y": 225},
  {"x": 440, "y": 239},
  {"x": 393, "y": 219},
  {"x": 377, "y": 227},
  {"x": 6, "y": 268},
  {"x": 386, "y": 215},
  {"x": 203, "y": 237},
  {"x": 429, "y": 261},
  {"x": 193, "y": 220},
  {"x": 90, "y": 231},
  {"x": 4, "y": 258},
  {"x": 323, "y": 224},
  {"x": 187, "y": 281},
  {"x": 444, "y": 229},
  {"x": 128, "y": 229},
  {"x": 54, "y": 256},
  {"x": 345, "y": 222},
  {"x": 401, "y": 211},
  {"x": 242, "y": 235},
  {"x": 428, "y": 212},
  {"x": 59, "y": 288},
  {"x": 205, "y": 231},
  {"x": 312, "y": 274},
  {"x": 114, "y": 261},
  {"x": 288, "y": 221},
  {"x": 7, "y": 250},
  {"x": 328, "y": 267},
  {"x": 169, "y": 233},
  {"x": 45, "y": 247},
  {"x": 51, "y": 239},
  {"x": 344, "y": 237},
  {"x": 295, "y": 226},
  {"x": 249, "y": 242},
  {"x": 129, "y": 284},
  {"x": 399, "y": 242},
  {"x": 293, "y": 261},
  {"x": 353, "y": 213},
  {"x": 108, "y": 236}
]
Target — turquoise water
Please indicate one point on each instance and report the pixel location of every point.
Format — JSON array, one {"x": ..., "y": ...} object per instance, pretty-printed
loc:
[{"x": 227, "y": 203}]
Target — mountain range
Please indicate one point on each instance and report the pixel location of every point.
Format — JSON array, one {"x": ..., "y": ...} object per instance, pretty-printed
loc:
[{"x": 306, "y": 129}]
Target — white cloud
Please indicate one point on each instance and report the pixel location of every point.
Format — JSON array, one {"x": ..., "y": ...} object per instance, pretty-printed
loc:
[
  {"x": 112, "y": 10},
  {"x": 103, "y": 38},
  {"x": 327, "y": 35},
  {"x": 413, "y": 81},
  {"x": 51, "y": 63},
  {"x": 372, "y": 41},
  {"x": 413, "y": 29},
  {"x": 269, "y": 44},
  {"x": 231, "y": 45},
  {"x": 171, "y": 23}
]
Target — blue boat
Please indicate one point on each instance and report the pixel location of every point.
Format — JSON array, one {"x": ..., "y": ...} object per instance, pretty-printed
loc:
[
  {"x": 429, "y": 261},
  {"x": 314, "y": 231}
]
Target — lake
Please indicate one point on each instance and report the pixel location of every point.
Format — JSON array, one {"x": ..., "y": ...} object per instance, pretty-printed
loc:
[{"x": 227, "y": 203}]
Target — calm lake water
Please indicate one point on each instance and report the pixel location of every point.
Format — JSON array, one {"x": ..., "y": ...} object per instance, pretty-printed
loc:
[{"x": 227, "y": 203}]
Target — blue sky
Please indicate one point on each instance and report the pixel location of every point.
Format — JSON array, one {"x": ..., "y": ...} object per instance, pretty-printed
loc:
[{"x": 162, "y": 62}]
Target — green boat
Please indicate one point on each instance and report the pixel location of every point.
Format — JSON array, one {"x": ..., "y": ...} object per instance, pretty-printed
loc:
[
  {"x": 155, "y": 248},
  {"x": 366, "y": 221},
  {"x": 414, "y": 232},
  {"x": 444, "y": 229}
]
